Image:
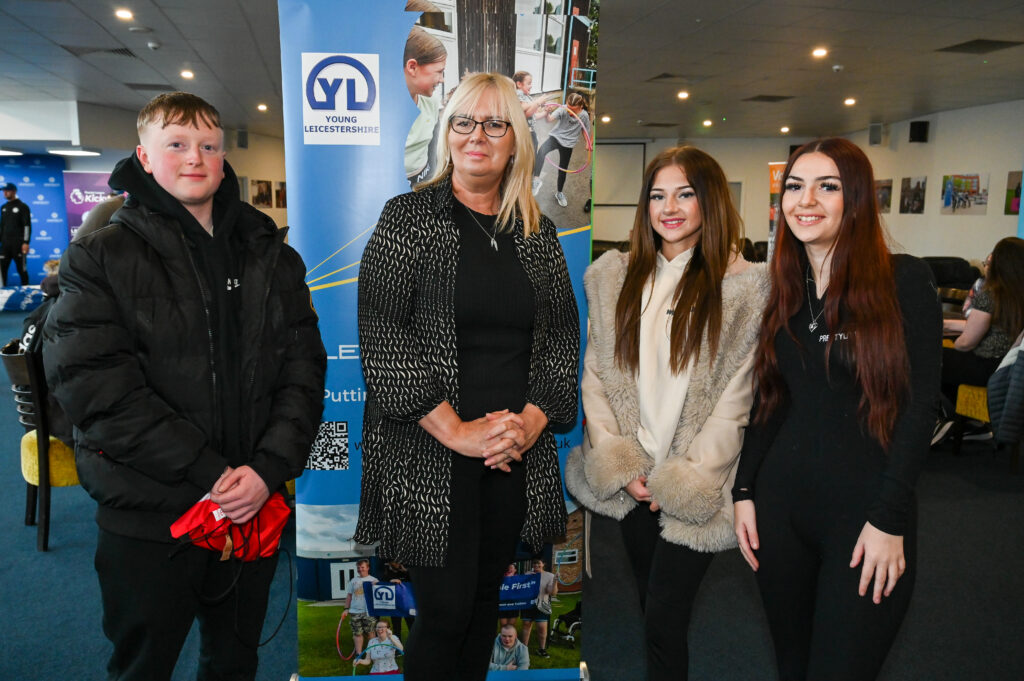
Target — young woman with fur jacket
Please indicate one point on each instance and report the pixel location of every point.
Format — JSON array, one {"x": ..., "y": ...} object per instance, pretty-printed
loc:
[{"x": 666, "y": 395}]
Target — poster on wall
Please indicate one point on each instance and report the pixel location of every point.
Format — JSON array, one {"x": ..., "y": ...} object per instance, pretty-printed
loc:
[
  {"x": 359, "y": 131},
  {"x": 82, "y": 192},
  {"x": 883, "y": 194},
  {"x": 1011, "y": 206},
  {"x": 912, "y": 192},
  {"x": 964, "y": 194},
  {"x": 261, "y": 194},
  {"x": 40, "y": 183},
  {"x": 280, "y": 195}
]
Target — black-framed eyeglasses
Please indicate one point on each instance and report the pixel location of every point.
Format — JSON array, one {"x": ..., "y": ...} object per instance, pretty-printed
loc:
[{"x": 464, "y": 125}]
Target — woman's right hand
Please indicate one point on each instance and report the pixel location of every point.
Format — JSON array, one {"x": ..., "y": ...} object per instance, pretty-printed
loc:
[
  {"x": 745, "y": 522},
  {"x": 638, "y": 490}
]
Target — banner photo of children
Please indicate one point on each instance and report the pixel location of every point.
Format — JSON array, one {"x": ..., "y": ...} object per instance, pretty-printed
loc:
[{"x": 364, "y": 91}]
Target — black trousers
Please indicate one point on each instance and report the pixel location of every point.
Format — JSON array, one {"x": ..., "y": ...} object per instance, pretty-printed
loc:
[
  {"x": 15, "y": 254},
  {"x": 965, "y": 367},
  {"x": 457, "y": 605},
  {"x": 150, "y": 601},
  {"x": 822, "y": 629},
  {"x": 667, "y": 578},
  {"x": 564, "y": 156}
]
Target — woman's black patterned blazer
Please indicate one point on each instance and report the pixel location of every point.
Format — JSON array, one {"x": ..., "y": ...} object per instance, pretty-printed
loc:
[{"x": 408, "y": 348}]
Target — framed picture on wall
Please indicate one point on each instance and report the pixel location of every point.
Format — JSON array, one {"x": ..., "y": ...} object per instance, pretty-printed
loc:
[
  {"x": 912, "y": 191},
  {"x": 964, "y": 194},
  {"x": 261, "y": 194},
  {"x": 1012, "y": 204},
  {"x": 883, "y": 192},
  {"x": 280, "y": 195}
]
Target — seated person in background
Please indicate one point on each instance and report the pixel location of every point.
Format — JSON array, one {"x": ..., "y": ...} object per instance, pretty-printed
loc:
[
  {"x": 997, "y": 317},
  {"x": 954, "y": 327},
  {"x": 509, "y": 653}
]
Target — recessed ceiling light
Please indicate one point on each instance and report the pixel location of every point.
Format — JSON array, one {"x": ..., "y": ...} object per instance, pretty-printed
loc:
[
  {"x": 708, "y": 123},
  {"x": 819, "y": 52},
  {"x": 849, "y": 101},
  {"x": 7, "y": 151},
  {"x": 261, "y": 107},
  {"x": 124, "y": 14},
  {"x": 784, "y": 129},
  {"x": 140, "y": 29},
  {"x": 74, "y": 151},
  {"x": 606, "y": 119},
  {"x": 187, "y": 75},
  {"x": 682, "y": 94}
]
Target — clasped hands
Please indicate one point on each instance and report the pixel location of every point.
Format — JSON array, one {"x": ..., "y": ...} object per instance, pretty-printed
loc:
[
  {"x": 505, "y": 435},
  {"x": 240, "y": 493}
]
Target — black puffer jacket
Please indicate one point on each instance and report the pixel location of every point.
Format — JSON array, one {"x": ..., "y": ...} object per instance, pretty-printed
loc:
[{"x": 129, "y": 354}]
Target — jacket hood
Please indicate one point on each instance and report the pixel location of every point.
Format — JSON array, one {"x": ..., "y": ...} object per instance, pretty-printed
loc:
[{"x": 129, "y": 176}]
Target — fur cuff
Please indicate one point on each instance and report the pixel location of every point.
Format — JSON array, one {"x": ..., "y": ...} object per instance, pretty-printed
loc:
[
  {"x": 682, "y": 493},
  {"x": 616, "y": 507},
  {"x": 613, "y": 464}
]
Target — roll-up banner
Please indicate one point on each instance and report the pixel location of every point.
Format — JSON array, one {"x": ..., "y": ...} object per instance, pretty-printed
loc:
[{"x": 355, "y": 136}]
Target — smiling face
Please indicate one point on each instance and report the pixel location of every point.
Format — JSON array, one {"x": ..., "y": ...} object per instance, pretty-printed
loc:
[
  {"x": 476, "y": 158},
  {"x": 508, "y": 637},
  {"x": 674, "y": 212},
  {"x": 525, "y": 85},
  {"x": 422, "y": 79},
  {"x": 187, "y": 161},
  {"x": 363, "y": 569},
  {"x": 812, "y": 200},
  {"x": 382, "y": 631}
]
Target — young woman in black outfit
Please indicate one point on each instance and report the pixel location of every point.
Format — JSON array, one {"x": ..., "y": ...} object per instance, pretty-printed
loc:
[{"x": 848, "y": 370}]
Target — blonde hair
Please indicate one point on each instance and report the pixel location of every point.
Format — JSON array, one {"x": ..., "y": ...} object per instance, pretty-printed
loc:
[{"x": 516, "y": 184}]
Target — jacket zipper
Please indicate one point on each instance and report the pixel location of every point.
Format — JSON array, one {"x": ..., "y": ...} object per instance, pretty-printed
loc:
[{"x": 209, "y": 333}]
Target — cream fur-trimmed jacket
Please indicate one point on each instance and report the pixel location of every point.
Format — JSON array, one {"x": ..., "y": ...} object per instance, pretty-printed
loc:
[{"x": 692, "y": 484}]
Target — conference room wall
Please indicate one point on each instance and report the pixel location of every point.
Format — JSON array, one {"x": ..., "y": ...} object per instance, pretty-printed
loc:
[{"x": 985, "y": 139}]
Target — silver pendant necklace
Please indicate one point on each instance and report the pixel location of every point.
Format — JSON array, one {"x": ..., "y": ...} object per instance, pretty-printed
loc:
[
  {"x": 814, "y": 317},
  {"x": 494, "y": 243}
]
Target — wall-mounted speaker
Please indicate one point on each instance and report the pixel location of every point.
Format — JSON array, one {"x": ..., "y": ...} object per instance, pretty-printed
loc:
[
  {"x": 918, "y": 131},
  {"x": 875, "y": 135},
  {"x": 242, "y": 139}
]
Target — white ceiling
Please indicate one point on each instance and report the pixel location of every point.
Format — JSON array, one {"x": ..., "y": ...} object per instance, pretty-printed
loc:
[{"x": 722, "y": 51}]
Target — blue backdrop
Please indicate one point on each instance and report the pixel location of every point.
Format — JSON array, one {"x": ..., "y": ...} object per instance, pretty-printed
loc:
[{"x": 40, "y": 182}]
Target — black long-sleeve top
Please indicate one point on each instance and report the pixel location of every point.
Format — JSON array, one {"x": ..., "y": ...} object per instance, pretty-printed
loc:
[{"x": 817, "y": 435}]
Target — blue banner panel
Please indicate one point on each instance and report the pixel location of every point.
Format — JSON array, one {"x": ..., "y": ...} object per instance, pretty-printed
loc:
[{"x": 40, "y": 182}]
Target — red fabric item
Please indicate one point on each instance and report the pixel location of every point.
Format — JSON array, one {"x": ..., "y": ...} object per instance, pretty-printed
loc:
[{"x": 207, "y": 526}]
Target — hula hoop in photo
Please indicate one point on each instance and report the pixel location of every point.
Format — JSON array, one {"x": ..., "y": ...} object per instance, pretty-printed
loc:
[{"x": 586, "y": 138}]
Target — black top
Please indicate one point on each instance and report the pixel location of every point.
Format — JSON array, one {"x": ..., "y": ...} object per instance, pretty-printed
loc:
[
  {"x": 816, "y": 444},
  {"x": 494, "y": 311},
  {"x": 15, "y": 224}
]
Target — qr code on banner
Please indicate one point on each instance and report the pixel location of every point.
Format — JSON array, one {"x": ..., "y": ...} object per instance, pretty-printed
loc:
[{"x": 330, "y": 449}]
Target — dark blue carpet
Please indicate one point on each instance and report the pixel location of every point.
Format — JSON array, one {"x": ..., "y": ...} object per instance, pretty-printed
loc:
[{"x": 50, "y": 602}]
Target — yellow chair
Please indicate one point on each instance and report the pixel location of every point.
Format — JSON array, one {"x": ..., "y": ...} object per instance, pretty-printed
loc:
[
  {"x": 45, "y": 461},
  {"x": 971, "y": 403}
]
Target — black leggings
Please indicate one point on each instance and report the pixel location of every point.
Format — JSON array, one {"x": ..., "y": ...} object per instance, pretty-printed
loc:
[
  {"x": 457, "y": 605},
  {"x": 564, "y": 156},
  {"x": 965, "y": 367},
  {"x": 822, "y": 629},
  {"x": 667, "y": 578}
]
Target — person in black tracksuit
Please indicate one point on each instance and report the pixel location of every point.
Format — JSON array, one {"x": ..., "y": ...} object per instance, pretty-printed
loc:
[
  {"x": 185, "y": 350},
  {"x": 15, "y": 234},
  {"x": 833, "y": 542}
]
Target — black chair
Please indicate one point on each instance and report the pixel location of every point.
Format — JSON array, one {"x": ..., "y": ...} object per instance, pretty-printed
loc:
[{"x": 54, "y": 461}]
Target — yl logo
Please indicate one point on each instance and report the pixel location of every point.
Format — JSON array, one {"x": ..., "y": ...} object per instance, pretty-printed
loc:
[{"x": 340, "y": 98}]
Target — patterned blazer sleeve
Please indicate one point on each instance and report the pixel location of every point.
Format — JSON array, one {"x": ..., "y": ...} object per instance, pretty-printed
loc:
[
  {"x": 553, "y": 388},
  {"x": 398, "y": 378}
]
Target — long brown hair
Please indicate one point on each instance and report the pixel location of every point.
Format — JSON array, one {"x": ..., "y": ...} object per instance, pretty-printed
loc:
[
  {"x": 700, "y": 289},
  {"x": 1005, "y": 281},
  {"x": 861, "y": 302}
]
